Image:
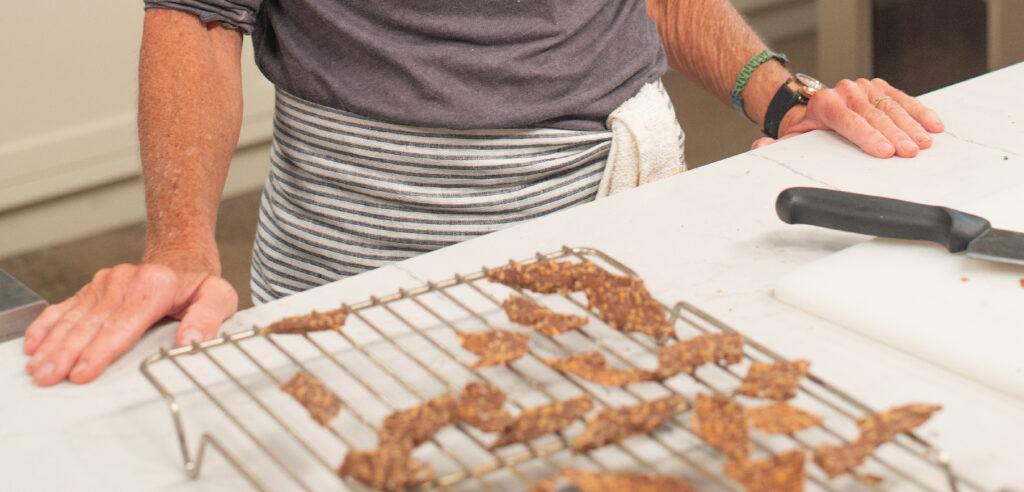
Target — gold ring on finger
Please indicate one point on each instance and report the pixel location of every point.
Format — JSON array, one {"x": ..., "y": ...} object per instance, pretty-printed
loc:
[{"x": 878, "y": 100}]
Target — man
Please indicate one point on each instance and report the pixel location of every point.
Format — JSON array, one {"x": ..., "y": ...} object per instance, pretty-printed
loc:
[{"x": 404, "y": 126}]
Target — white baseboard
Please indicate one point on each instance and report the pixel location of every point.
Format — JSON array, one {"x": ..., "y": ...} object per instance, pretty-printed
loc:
[
  {"x": 69, "y": 217},
  {"x": 87, "y": 156}
]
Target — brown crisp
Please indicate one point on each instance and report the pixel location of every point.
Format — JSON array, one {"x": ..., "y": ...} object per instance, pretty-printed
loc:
[
  {"x": 777, "y": 473},
  {"x": 540, "y": 318},
  {"x": 687, "y": 355},
  {"x": 496, "y": 347},
  {"x": 418, "y": 424},
  {"x": 386, "y": 468},
  {"x": 549, "y": 484},
  {"x": 837, "y": 460},
  {"x": 322, "y": 404},
  {"x": 545, "y": 277},
  {"x": 722, "y": 423},
  {"x": 875, "y": 429},
  {"x": 881, "y": 427},
  {"x": 297, "y": 325},
  {"x": 619, "y": 482},
  {"x": 593, "y": 367},
  {"x": 782, "y": 418},
  {"x": 611, "y": 426},
  {"x": 625, "y": 304},
  {"x": 588, "y": 274},
  {"x": 482, "y": 406},
  {"x": 537, "y": 421},
  {"x": 777, "y": 381}
]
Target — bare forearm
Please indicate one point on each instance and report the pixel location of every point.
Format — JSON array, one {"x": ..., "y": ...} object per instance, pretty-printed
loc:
[
  {"x": 190, "y": 107},
  {"x": 709, "y": 42}
]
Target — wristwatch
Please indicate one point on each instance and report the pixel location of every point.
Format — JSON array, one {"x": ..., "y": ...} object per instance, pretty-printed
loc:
[{"x": 798, "y": 89}]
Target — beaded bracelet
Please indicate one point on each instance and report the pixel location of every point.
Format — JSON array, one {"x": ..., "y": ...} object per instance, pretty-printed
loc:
[{"x": 744, "y": 76}]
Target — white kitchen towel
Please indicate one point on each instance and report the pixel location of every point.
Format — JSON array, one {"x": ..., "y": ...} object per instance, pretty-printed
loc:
[{"x": 647, "y": 142}]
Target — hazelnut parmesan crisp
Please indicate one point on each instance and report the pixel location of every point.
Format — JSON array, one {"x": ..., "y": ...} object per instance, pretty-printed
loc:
[
  {"x": 611, "y": 426},
  {"x": 537, "y": 421},
  {"x": 592, "y": 366},
  {"x": 496, "y": 347},
  {"x": 540, "y": 318},
  {"x": 315, "y": 321},
  {"x": 776, "y": 381},
  {"x": 483, "y": 406},
  {"x": 321, "y": 403},
  {"x": 418, "y": 424},
  {"x": 388, "y": 467}
]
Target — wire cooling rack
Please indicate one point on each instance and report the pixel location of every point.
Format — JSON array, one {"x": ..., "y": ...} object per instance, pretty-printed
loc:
[{"x": 397, "y": 351}]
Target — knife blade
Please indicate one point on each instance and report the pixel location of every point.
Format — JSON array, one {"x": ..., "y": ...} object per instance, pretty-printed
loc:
[{"x": 888, "y": 217}]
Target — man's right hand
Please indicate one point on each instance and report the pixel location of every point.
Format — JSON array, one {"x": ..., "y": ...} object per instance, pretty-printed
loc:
[{"x": 78, "y": 338}]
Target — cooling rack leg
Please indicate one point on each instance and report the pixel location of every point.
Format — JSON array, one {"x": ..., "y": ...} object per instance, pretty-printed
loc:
[
  {"x": 192, "y": 467},
  {"x": 945, "y": 464}
]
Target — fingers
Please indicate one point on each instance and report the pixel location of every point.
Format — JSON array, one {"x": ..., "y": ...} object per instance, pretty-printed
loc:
[
  {"x": 887, "y": 99},
  {"x": 48, "y": 333},
  {"x": 838, "y": 109},
  {"x": 762, "y": 142},
  {"x": 923, "y": 115},
  {"x": 126, "y": 297},
  {"x": 880, "y": 119},
  {"x": 902, "y": 120},
  {"x": 73, "y": 332},
  {"x": 143, "y": 306},
  {"x": 215, "y": 301},
  {"x": 40, "y": 329},
  {"x": 884, "y": 114},
  {"x": 80, "y": 337},
  {"x": 766, "y": 141}
]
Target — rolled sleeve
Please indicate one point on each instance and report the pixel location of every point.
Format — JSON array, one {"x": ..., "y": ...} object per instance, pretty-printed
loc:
[{"x": 237, "y": 14}]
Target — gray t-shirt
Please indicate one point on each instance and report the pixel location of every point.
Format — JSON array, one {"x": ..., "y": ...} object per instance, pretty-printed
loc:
[{"x": 451, "y": 63}]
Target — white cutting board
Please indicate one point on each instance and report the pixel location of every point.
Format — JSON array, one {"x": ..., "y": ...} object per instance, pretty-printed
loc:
[{"x": 962, "y": 314}]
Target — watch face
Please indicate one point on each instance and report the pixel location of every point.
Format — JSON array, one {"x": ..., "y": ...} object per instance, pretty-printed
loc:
[{"x": 810, "y": 85}]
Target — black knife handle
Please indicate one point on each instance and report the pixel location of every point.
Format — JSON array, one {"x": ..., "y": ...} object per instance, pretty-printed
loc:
[{"x": 879, "y": 216}]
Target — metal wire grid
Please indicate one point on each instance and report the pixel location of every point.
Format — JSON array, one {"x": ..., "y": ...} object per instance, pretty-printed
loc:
[{"x": 399, "y": 350}]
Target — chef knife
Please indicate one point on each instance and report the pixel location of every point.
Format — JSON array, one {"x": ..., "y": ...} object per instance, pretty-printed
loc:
[{"x": 887, "y": 217}]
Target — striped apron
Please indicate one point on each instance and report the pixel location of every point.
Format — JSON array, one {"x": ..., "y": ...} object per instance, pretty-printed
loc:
[{"x": 347, "y": 194}]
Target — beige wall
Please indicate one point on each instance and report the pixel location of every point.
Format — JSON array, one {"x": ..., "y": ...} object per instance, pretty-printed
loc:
[{"x": 68, "y": 146}]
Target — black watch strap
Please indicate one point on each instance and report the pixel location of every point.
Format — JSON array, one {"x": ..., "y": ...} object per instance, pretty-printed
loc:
[{"x": 784, "y": 100}]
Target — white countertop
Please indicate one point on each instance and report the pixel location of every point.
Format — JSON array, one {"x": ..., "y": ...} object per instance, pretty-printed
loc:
[{"x": 709, "y": 236}]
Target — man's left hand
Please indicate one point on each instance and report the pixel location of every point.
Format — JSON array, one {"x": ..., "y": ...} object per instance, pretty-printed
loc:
[{"x": 880, "y": 119}]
